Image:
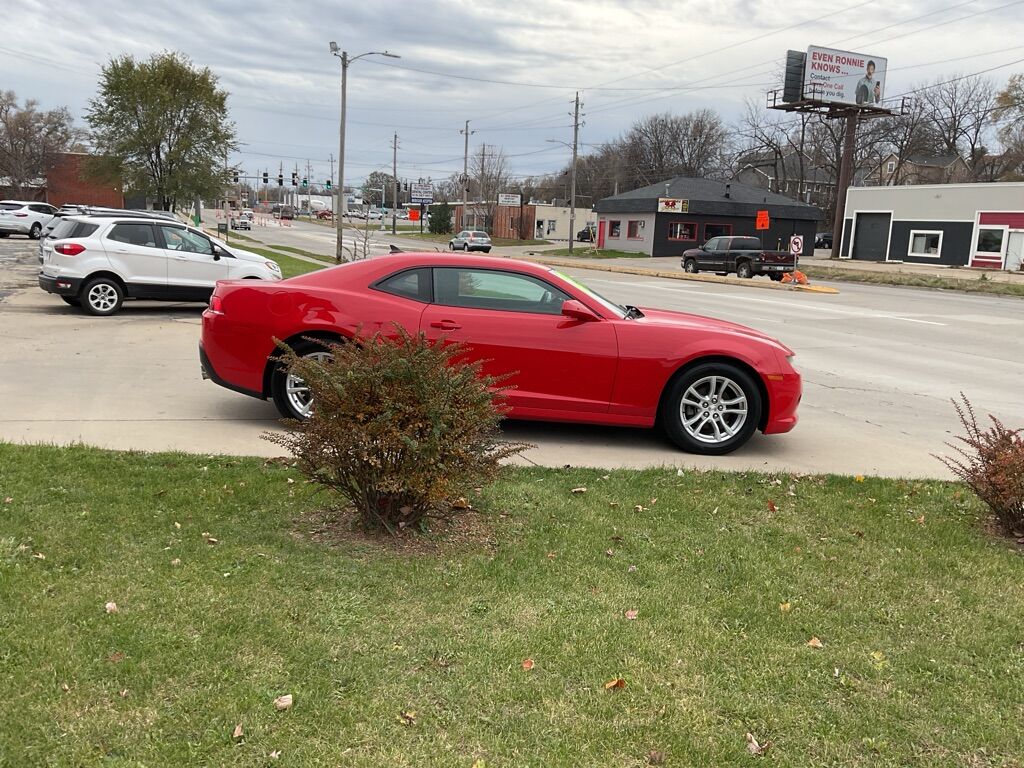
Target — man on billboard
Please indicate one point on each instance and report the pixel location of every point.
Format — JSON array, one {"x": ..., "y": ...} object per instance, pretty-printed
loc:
[{"x": 869, "y": 90}]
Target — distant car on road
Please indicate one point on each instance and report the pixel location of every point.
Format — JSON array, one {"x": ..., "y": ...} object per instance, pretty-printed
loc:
[
  {"x": 823, "y": 240},
  {"x": 568, "y": 353},
  {"x": 374, "y": 215},
  {"x": 587, "y": 235},
  {"x": 742, "y": 255},
  {"x": 470, "y": 240},
  {"x": 287, "y": 212},
  {"x": 241, "y": 222},
  {"x": 20, "y": 217}
]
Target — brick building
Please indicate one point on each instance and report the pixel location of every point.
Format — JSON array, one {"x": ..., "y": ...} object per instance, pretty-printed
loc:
[{"x": 68, "y": 182}]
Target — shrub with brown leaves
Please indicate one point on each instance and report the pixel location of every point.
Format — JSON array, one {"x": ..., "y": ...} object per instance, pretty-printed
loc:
[
  {"x": 991, "y": 463},
  {"x": 401, "y": 428}
]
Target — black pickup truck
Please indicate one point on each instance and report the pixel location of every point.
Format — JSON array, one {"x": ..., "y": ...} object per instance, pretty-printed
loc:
[{"x": 742, "y": 255}]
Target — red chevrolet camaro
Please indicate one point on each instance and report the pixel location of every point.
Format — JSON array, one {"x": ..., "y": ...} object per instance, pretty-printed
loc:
[{"x": 574, "y": 355}]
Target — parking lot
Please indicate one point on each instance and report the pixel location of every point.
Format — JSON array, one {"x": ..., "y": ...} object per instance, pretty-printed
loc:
[{"x": 879, "y": 366}]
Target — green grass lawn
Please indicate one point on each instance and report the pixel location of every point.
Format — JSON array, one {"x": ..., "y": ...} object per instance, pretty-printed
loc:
[
  {"x": 290, "y": 267},
  {"x": 497, "y": 242},
  {"x": 584, "y": 251},
  {"x": 231, "y": 591},
  {"x": 969, "y": 284}
]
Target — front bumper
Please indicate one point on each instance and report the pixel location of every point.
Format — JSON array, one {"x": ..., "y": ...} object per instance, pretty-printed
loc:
[
  {"x": 785, "y": 391},
  {"x": 62, "y": 286}
]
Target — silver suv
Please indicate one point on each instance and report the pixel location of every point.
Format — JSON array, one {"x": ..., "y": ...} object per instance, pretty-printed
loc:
[
  {"x": 470, "y": 240},
  {"x": 19, "y": 217}
]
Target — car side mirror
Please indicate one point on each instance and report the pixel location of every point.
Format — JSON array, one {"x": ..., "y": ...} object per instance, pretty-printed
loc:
[
  {"x": 217, "y": 252},
  {"x": 575, "y": 310}
]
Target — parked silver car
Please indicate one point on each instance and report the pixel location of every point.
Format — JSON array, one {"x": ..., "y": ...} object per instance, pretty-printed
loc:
[{"x": 470, "y": 240}]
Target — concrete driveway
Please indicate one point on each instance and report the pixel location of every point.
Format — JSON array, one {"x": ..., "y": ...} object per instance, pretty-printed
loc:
[{"x": 880, "y": 365}]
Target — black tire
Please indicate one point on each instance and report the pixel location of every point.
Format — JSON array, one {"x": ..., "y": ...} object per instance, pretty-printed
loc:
[
  {"x": 102, "y": 296},
  {"x": 451, "y": 246},
  {"x": 73, "y": 301},
  {"x": 465, "y": 247},
  {"x": 775, "y": 276},
  {"x": 487, "y": 250},
  {"x": 673, "y": 412},
  {"x": 744, "y": 270},
  {"x": 690, "y": 265},
  {"x": 279, "y": 382},
  {"x": 35, "y": 231},
  {"x": 4, "y": 234}
]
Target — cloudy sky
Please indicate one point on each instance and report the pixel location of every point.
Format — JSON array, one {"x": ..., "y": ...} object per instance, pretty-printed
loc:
[{"x": 511, "y": 68}]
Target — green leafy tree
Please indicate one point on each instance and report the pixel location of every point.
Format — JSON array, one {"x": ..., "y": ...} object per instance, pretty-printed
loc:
[
  {"x": 30, "y": 139},
  {"x": 164, "y": 124},
  {"x": 372, "y": 186},
  {"x": 440, "y": 219}
]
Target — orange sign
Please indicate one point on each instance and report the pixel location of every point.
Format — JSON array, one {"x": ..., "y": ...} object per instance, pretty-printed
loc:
[
  {"x": 763, "y": 222},
  {"x": 414, "y": 214}
]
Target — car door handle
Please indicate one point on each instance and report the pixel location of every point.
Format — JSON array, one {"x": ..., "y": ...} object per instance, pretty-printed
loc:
[{"x": 446, "y": 325}]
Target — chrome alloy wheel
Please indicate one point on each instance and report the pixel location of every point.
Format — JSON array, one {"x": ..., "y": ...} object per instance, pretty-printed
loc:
[
  {"x": 102, "y": 297},
  {"x": 299, "y": 396},
  {"x": 713, "y": 409}
]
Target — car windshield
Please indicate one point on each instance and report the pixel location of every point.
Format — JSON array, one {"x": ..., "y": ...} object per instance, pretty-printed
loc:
[{"x": 617, "y": 310}]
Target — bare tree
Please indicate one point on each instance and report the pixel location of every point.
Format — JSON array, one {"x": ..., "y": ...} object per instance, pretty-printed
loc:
[
  {"x": 30, "y": 140},
  {"x": 961, "y": 110},
  {"x": 489, "y": 175}
]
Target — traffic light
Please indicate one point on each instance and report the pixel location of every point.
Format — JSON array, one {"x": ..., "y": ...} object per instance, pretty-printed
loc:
[
  {"x": 294, "y": 175},
  {"x": 328, "y": 184},
  {"x": 266, "y": 178},
  {"x": 236, "y": 177},
  {"x": 280, "y": 179},
  {"x": 406, "y": 187},
  {"x": 305, "y": 182}
]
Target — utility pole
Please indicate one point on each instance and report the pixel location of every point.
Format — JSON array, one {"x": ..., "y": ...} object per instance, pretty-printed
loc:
[
  {"x": 845, "y": 177},
  {"x": 483, "y": 168},
  {"x": 309, "y": 190},
  {"x": 465, "y": 175},
  {"x": 394, "y": 184},
  {"x": 572, "y": 182}
]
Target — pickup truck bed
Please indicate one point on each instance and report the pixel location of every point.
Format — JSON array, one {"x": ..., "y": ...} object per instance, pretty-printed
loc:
[{"x": 742, "y": 255}]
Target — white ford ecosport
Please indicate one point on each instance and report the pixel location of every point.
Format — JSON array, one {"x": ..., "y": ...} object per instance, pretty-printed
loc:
[{"x": 96, "y": 262}]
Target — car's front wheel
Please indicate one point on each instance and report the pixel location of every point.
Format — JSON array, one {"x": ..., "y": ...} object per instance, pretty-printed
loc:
[
  {"x": 465, "y": 247},
  {"x": 451, "y": 246},
  {"x": 690, "y": 265},
  {"x": 712, "y": 409},
  {"x": 291, "y": 394},
  {"x": 102, "y": 296}
]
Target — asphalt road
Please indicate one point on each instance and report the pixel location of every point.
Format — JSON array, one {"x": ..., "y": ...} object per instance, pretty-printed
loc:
[{"x": 879, "y": 366}]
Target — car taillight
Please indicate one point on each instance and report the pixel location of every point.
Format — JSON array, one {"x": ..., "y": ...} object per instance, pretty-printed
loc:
[
  {"x": 69, "y": 249},
  {"x": 216, "y": 305}
]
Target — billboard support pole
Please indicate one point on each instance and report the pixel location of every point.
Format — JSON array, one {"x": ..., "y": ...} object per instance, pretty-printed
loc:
[{"x": 845, "y": 177}]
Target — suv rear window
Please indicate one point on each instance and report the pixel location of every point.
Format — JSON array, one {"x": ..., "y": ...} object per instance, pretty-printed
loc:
[
  {"x": 9, "y": 206},
  {"x": 478, "y": 234},
  {"x": 73, "y": 229}
]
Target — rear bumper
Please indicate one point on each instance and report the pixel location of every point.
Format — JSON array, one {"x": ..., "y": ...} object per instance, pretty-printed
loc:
[
  {"x": 62, "y": 286},
  {"x": 209, "y": 372},
  {"x": 770, "y": 269}
]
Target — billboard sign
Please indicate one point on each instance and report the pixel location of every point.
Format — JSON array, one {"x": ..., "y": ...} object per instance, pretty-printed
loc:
[
  {"x": 673, "y": 205},
  {"x": 842, "y": 77},
  {"x": 421, "y": 193},
  {"x": 512, "y": 200}
]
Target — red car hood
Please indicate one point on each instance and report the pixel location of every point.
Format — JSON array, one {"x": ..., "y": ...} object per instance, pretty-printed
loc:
[{"x": 687, "y": 321}]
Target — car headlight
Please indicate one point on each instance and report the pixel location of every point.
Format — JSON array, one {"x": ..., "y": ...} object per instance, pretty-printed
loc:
[{"x": 272, "y": 266}]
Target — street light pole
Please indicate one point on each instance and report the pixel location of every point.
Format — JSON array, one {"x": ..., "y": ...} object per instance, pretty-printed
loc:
[{"x": 339, "y": 251}]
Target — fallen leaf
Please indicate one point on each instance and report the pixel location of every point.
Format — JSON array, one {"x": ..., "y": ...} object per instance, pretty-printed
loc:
[
  {"x": 610, "y": 552},
  {"x": 581, "y": 489},
  {"x": 177, "y": 525},
  {"x": 176, "y": 561},
  {"x": 771, "y": 506},
  {"x": 460, "y": 503},
  {"x": 639, "y": 508},
  {"x": 275, "y": 754},
  {"x": 859, "y": 478},
  {"x": 618, "y": 682},
  {"x": 479, "y": 763},
  {"x": 65, "y": 687},
  {"x": 920, "y": 520},
  {"x": 408, "y": 717},
  {"x": 656, "y": 757},
  {"x": 631, "y": 614},
  {"x": 38, "y": 555},
  {"x": 111, "y": 607},
  {"x": 785, "y": 607},
  {"x": 237, "y": 733},
  {"x": 124, "y": 693},
  {"x": 283, "y": 702},
  {"x": 653, "y": 502},
  {"x": 814, "y": 642},
  {"x": 290, "y": 481},
  {"x": 210, "y": 540},
  {"x": 755, "y": 748},
  {"x": 8, "y": 500},
  {"x": 116, "y": 657},
  {"x": 631, "y": 569},
  {"x": 527, "y": 664},
  {"x": 552, "y": 555}
]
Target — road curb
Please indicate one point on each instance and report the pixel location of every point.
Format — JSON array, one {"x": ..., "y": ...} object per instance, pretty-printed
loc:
[{"x": 770, "y": 286}]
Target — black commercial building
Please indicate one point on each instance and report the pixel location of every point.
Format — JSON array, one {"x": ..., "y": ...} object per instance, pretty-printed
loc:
[{"x": 666, "y": 218}]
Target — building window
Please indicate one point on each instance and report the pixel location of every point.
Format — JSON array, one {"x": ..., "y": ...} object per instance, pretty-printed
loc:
[
  {"x": 614, "y": 228},
  {"x": 990, "y": 241},
  {"x": 682, "y": 230},
  {"x": 925, "y": 243},
  {"x": 633, "y": 229},
  {"x": 716, "y": 230},
  {"x": 891, "y": 166},
  {"x": 552, "y": 225}
]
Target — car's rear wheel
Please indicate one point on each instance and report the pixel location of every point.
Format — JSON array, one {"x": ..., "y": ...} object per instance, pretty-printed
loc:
[
  {"x": 487, "y": 250},
  {"x": 102, "y": 296},
  {"x": 73, "y": 301},
  {"x": 744, "y": 270},
  {"x": 4, "y": 234},
  {"x": 33, "y": 233},
  {"x": 690, "y": 265},
  {"x": 712, "y": 409},
  {"x": 451, "y": 246},
  {"x": 291, "y": 394}
]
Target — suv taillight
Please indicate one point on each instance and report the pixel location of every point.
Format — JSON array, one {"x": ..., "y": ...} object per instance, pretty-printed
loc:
[{"x": 69, "y": 249}]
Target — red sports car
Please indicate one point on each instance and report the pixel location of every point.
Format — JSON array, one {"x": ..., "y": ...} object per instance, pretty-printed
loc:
[{"x": 575, "y": 356}]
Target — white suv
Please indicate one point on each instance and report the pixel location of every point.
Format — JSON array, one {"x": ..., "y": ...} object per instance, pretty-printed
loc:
[
  {"x": 18, "y": 217},
  {"x": 96, "y": 262}
]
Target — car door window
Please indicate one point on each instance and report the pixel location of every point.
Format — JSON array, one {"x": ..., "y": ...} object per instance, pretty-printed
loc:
[
  {"x": 179, "y": 239},
  {"x": 496, "y": 290},
  {"x": 134, "y": 234},
  {"x": 410, "y": 284},
  {"x": 712, "y": 244}
]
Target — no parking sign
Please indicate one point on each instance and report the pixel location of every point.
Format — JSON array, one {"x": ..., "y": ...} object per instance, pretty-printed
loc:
[{"x": 796, "y": 245}]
